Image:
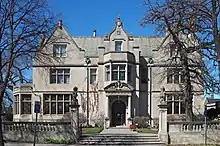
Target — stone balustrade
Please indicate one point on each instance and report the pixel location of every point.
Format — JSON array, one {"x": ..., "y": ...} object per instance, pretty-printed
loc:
[
  {"x": 41, "y": 126},
  {"x": 193, "y": 126},
  {"x": 24, "y": 131},
  {"x": 193, "y": 132}
]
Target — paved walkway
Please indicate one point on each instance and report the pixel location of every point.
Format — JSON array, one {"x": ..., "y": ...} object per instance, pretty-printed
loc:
[{"x": 118, "y": 130}]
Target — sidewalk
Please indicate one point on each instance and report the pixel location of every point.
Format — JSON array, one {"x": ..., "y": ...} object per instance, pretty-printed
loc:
[{"x": 30, "y": 144}]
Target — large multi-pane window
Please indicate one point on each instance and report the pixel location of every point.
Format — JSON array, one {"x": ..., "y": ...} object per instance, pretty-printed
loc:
[
  {"x": 59, "y": 50},
  {"x": 25, "y": 103},
  {"x": 16, "y": 104},
  {"x": 56, "y": 103},
  {"x": 174, "y": 75},
  {"x": 60, "y": 76},
  {"x": 175, "y": 104},
  {"x": 118, "y": 72},
  {"x": 118, "y": 45},
  {"x": 93, "y": 74}
]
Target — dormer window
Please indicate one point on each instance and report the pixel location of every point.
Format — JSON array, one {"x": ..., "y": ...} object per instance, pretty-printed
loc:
[
  {"x": 59, "y": 50},
  {"x": 118, "y": 46}
]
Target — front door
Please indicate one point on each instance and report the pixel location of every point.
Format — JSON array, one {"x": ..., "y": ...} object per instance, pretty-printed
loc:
[{"x": 118, "y": 113}]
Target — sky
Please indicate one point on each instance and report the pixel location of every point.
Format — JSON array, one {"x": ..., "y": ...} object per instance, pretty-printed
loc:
[{"x": 81, "y": 17}]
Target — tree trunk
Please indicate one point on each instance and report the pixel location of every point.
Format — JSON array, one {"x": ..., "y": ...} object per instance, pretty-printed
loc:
[
  {"x": 1, "y": 132},
  {"x": 187, "y": 91}
]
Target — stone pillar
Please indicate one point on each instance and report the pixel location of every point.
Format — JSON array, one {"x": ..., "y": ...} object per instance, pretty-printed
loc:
[
  {"x": 74, "y": 109},
  {"x": 163, "y": 133},
  {"x": 107, "y": 120},
  {"x": 129, "y": 111}
]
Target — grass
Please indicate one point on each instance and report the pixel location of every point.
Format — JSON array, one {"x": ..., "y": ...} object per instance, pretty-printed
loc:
[
  {"x": 146, "y": 130},
  {"x": 92, "y": 130}
]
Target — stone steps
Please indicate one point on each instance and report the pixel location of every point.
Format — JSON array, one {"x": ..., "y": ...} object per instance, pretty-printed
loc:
[{"x": 120, "y": 139}]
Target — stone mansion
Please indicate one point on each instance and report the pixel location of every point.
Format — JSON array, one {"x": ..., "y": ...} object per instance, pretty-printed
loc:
[{"x": 125, "y": 75}]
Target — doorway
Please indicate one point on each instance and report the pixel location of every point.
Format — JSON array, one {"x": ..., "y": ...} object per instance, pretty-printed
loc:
[{"x": 118, "y": 113}]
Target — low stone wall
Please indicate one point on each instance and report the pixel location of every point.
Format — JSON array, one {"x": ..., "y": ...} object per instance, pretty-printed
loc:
[
  {"x": 24, "y": 131},
  {"x": 193, "y": 133}
]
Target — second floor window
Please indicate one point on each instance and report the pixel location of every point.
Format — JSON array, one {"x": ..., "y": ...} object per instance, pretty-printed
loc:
[
  {"x": 118, "y": 72},
  {"x": 118, "y": 46},
  {"x": 59, "y": 50},
  {"x": 59, "y": 76},
  {"x": 93, "y": 75},
  {"x": 174, "y": 75}
]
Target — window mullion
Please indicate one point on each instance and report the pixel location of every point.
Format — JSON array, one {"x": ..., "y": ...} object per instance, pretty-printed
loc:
[
  {"x": 50, "y": 104},
  {"x": 63, "y": 103},
  {"x": 173, "y": 104},
  {"x": 110, "y": 68},
  {"x": 118, "y": 70},
  {"x": 63, "y": 76}
]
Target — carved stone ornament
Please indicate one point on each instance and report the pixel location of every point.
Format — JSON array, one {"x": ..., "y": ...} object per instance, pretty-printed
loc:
[
  {"x": 118, "y": 85},
  {"x": 162, "y": 96}
]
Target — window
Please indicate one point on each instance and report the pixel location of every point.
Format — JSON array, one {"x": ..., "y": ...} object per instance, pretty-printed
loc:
[
  {"x": 118, "y": 72},
  {"x": 92, "y": 75},
  {"x": 59, "y": 50},
  {"x": 118, "y": 46},
  {"x": 56, "y": 104},
  {"x": 175, "y": 104},
  {"x": 25, "y": 103},
  {"x": 107, "y": 73},
  {"x": 60, "y": 76},
  {"x": 16, "y": 104},
  {"x": 174, "y": 75}
]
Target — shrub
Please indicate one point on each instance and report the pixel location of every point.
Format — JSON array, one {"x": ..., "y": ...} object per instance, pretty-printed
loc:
[
  {"x": 82, "y": 119},
  {"x": 57, "y": 141},
  {"x": 142, "y": 122},
  {"x": 99, "y": 121}
]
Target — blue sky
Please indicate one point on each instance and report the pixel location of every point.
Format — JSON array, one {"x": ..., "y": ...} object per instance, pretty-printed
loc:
[{"x": 80, "y": 17}]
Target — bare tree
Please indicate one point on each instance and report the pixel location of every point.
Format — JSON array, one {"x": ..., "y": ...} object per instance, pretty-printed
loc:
[
  {"x": 23, "y": 24},
  {"x": 190, "y": 28}
]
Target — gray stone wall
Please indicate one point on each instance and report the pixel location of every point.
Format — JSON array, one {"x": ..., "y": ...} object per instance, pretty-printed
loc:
[{"x": 24, "y": 131}]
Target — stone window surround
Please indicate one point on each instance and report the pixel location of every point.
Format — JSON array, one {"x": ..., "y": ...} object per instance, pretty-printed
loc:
[
  {"x": 174, "y": 76},
  {"x": 49, "y": 101},
  {"x": 26, "y": 101},
  {"x": 60, "y": 48},
  {"x": 172, "y": 102},
  {"x": 118, "y": 45},
  {"x": 16, "y": 104},
  {"x": 93, "y": 74},
  {"x": 65, "y": 73},
  {"x": 108, "y": 69}
]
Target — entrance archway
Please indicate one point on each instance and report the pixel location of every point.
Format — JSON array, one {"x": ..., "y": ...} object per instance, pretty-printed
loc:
[{"x": 118, "y": 113}]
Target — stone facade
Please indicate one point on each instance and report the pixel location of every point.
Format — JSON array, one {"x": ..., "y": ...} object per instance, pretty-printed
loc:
[{"x": 120, "y": 78}]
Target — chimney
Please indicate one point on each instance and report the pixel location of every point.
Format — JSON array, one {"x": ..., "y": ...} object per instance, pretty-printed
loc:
[
  {"x": 94, "y": 33},
  {"x": 60, "y": 24}
]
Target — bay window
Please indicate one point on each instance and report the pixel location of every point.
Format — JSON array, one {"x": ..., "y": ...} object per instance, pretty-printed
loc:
[{"x": 118, "y": 72}]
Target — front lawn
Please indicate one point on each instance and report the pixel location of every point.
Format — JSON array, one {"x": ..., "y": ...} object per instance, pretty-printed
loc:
[
  {"x": 146, "y": 130},
  {"x": 91, "y": 130}
]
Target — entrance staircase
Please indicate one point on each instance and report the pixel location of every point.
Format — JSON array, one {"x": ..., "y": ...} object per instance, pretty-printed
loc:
[{"x": 120, "y": 136}]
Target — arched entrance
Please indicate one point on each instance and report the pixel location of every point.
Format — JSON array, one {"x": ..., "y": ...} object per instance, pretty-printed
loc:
[{"x": 118, "y": 113}]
